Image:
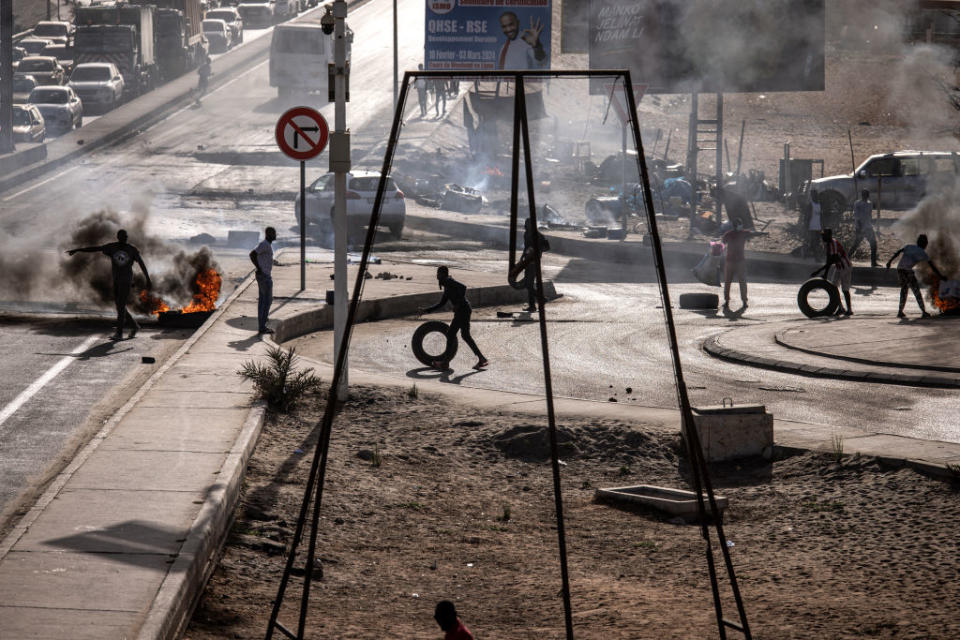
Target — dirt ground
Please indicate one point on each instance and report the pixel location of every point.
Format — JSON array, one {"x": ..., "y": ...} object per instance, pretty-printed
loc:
[{"x": 426, "y": 501}]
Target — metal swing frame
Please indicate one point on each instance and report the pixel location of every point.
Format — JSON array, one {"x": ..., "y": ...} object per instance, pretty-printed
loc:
[{"x": 709, "y": 514}]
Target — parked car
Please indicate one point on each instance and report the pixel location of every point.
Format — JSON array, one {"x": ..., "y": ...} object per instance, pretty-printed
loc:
[
  {"x": 59, "y": 31},
  {"x": 257, "y": 15},
  {"x": 19, "y": 53},
  {"x": 361, "y": 191},
  {"x": 98, "y": 84},
  {"x": 218, "y": 35},
  {"x": 232, "y": 17},
  {"x": 63, "y": 54},
  {"x": 28, "y": 125},
  {"x": 60, "y": 107},
  {"x": 34, "y": 46},
  {"x": 45, "y": 69},
  {"x": 23, "y": 84}
]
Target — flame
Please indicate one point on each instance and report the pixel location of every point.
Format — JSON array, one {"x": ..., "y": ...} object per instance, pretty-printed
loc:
[
  {"x": 206, "y": 291},
  {"x": 943, "y": 304},
  {"x": 155, "y": 304},
  {"x": 494, "y": 171}
]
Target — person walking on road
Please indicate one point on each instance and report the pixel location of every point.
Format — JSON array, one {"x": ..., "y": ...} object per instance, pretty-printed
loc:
[
  {"x": 446, "y": 616},
  {"x": 122, "y": 256},
  {"x": 534, "y": 244},
  {"x": 735, "y": 265},
  {"x": 912, "y": 255},
  {"x": 842, "y": 273},
  {"x": 204, "y": 71},
  {"x": 814, "y": 225},
  {"x": 439, "y": 88},
  {"x": 421, "y": 85},
  {"x": 262, "y": 259},
  {"x": 863, "y": 221},
  {"x": 456, "y": 294}
]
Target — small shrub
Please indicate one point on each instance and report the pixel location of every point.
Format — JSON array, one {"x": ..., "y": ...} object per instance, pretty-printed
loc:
[
  {"x": 836, "y": 444},
  {"x": 413, "y": 393},
  {"x": 377, "y": 459},
  {"x": 278, "y": 382},
  {"x": 624, "y": 471},
  {"x": 506, "y": 514}
]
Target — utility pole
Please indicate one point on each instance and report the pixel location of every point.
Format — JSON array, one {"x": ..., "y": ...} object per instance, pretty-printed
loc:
[
  {"x": 6, "y": 76},
  {"x": 396, "y": 58},
  {"x": 340, "y": 165}
]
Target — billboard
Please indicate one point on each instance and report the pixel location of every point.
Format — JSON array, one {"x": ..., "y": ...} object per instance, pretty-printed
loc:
[
  {"x": 487, "y": 34},
  {"x": 715, "y": 46}
]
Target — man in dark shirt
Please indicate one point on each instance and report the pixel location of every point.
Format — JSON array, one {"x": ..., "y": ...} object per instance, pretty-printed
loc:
[
  {"x": 456, "y": 294},
  {"x": 122, "y": 256},
  {"x": 533, "y": 241},
  {"x": 446, "y": 617}
]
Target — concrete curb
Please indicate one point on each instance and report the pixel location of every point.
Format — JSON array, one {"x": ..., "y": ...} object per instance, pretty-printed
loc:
[
  {"x": 319, "y": 318},
  {"x": 197, "y": 558},
  {"x": 713, "y": 347}
]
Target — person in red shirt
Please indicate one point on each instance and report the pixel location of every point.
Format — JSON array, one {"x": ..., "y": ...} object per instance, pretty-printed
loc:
[
  {"x": 842, "y": 273},
  {"x": 446, "y": 617},
  {"x": 736, "y": 262}
]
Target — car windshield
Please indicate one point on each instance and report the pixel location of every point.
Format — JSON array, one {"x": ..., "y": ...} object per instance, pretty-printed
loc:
[
  {"x": 48, "y": 96},
  {"x": 58, "y": 51},
  {"x": 369, "y": 184},
  {"x": 303, "y": 41},
  {"x": 90, "y": 74},
  {"x": 226, "y": 16},
  {"x": 35, "y": 65},
  {"x": 48, "y": 30},
  {"x": 21, "y": 83},
  {"x": 21, "y": 118},
  {"x": 212, "y": 25},
  {"x": 34, "y": 46}
]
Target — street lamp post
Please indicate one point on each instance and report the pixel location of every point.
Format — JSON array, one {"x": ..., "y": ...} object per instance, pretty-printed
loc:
[
  {"x": 6, "y": 76},
  {"x": 340, "y": 165}
]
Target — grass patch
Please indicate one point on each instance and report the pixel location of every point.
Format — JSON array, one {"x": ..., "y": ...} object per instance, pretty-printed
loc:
[{"x": 836, "y": 447}]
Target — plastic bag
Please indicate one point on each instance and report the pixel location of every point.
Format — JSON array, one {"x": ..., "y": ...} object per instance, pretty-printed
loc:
[{"x": 708, "y": 270}]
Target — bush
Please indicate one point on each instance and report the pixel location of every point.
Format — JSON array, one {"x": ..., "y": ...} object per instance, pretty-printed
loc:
[{"x": 278, "y": 382}]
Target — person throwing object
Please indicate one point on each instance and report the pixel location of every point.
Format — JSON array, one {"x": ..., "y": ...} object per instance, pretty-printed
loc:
[
  {"x": 122, "y": 256},
  {"x": 446, "y": 616},
  {"x": 912, "y": 255},
  {"x": 262, "y": 259},
  {"x": 456, "y": 294}
]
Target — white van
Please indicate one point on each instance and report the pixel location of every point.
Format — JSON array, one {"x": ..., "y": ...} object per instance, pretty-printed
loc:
[{"x": 299, "y": 56}]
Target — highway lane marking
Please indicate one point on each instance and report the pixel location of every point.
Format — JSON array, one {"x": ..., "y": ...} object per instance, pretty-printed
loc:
[
  {"x": 40, "y": 184},
  {"x": 42, "y": 381}
]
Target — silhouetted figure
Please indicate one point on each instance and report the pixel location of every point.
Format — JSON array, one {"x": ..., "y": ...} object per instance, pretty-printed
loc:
[
  {"x": 863, "y": 219},
  {"x": 122, "y": 256},
  {"x": 456, "y": 294},
  {"x": 204, "y": 71},
  {"x": 912, "y": 255},
  {"x": 532, "y": 241},
  {"x": 735, "y": 264},
  {"x": 262, "y": 259},
  {"x": 439, "y": 89},
  {"x": 842, "y": 274},
  {"x": 421, "y": 86},
  {"x": 446, "y": 617}
]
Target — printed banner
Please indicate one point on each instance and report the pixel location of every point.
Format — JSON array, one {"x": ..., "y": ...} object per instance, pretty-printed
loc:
[{"x": 487, "y": 34}]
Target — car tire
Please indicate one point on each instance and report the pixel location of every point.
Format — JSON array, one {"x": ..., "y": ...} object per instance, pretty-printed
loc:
[
  {"x": 396, "y": 230},
  {"x": 79, "y": 122},
  {"x": 809, "y": 287},
  {"x": 699, "y": 300},
  {"x": 416, "y": 344}
]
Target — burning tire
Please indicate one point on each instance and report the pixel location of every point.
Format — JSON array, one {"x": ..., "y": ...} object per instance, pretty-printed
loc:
[
  {"x": 813, "y": 310},
  {"x": 699, "y": 300},
  {"x": 419, "y": 337}
]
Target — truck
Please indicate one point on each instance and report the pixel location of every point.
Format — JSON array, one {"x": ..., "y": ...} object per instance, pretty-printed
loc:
[
  {"x": 180, "y": 42},
  {"x": 124, "y": 35},
  {"x": 301, "y": 57}
]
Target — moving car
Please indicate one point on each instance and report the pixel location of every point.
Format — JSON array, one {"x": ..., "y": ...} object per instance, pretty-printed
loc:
[
  {"x": 59, "y": 31},
  {"x": 44, "y": 69},
  {"x": 63, "y": 54},
  {"x": 361, "y": 191},
  {"x": 34, "y": 46},
  {"x": 256, "y": 15},
  {"x": 23, "y": 84},
  {"x": 232, "y": 17},
  {"x": 28, "y": 125},
  {"x": 60, "y": 107},
  {"x": 218, "y": 35},
  {"x": 98, "y": 84}
]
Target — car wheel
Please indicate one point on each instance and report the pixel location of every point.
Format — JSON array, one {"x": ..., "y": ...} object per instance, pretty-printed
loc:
[
  {"x": 396, "y": 230},
  {"x": 79, "y": 122}
]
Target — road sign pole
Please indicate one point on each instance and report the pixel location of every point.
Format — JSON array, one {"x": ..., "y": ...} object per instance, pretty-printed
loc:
[
  {"x": 303, "y": 225},
  {"x": 340, "y": 164}
]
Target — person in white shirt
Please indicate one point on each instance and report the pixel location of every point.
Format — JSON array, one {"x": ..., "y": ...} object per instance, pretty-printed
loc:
[
  {"x": 863, "y": 219},
  {"x": 262, "y": 259},
  {"x": 521, "y": 50},
  {"x": 912, "y": 255}
]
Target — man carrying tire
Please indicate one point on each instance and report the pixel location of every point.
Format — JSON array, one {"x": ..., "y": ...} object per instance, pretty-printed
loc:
[
  {"x": 912, "y": 255},
  {"x": 842, "y": 275},
  {"x": 456, "y": 294}
]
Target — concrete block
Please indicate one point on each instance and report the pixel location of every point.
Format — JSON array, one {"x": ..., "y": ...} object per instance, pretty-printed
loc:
[{"x": 731, "y": 432}]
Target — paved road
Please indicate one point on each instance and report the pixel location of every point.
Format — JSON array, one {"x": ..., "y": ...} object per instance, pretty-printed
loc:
[{"x": 607, "y": 336}]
